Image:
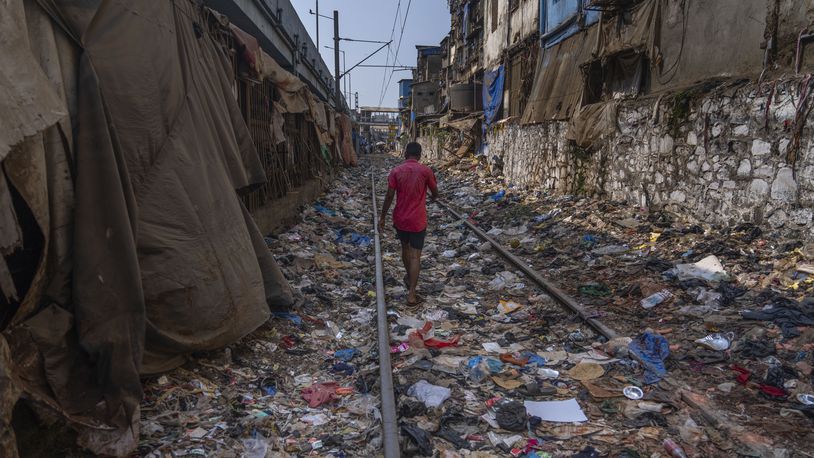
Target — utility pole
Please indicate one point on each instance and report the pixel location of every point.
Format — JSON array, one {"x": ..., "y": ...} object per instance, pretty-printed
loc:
[
  {"x": 337, "y": 75},
  {"x": 345, "y": 80},
  {"x": 316, "y": 18}
]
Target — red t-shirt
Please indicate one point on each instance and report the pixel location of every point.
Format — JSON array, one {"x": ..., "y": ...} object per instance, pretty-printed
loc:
[{"x": 411, "y": 180}]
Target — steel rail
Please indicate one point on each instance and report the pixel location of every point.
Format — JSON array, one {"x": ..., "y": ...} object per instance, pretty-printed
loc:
[
  {"x": 549, "y": 287},
  {"x": 389, "y": 421}
]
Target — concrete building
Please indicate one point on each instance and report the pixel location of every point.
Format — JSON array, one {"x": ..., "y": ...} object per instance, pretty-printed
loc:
[{"x": 686, "y": 106}]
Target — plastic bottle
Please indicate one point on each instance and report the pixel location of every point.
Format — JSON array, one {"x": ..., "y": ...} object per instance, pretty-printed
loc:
[
  {"x": 656, "y": 299},
  {"x": 673, "y": 449},
  {"x": 547, "y": 373},
  {"x": 478, "y": 373}
]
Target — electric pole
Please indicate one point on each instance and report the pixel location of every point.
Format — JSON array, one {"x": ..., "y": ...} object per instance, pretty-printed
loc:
[
  {"x": 337, "y": 86},
  {"x": 316, "y": 16}
]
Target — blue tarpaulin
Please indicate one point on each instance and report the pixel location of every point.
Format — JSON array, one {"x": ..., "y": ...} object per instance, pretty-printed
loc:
[
  {"x": 465, "y": 21},
  {"x": 492, "y": 93},
  {"x": 559, "y": 19}
]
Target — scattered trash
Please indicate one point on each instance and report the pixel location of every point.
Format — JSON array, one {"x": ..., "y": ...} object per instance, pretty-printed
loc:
[
  {"x": 707, "y": 269},
  {"x": 716, "y": 341},
  {"x": 488, "y": 344},
  {"x": 656, "y": 299},
  {"x": 507, "y": 307},
  {"x": 346, "y": 354},
  {"x": 511, "y": 415},
  {"x": 567, "y": 411},
  {"x": 651, "y": 350},
  {"x": 320, "y": 393},
  {"x": 673, "y": 449},
  {"x": 633, "y": 392},
  {"x": 431, "y": 395},
  {"x": 546, "y": 373},
  {"x": 586, "y": 371}
]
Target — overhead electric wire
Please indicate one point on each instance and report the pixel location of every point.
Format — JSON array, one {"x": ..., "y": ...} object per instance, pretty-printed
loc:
[
  {"x": 387, "y": 59},
  {"x": 398, "y": 47}
]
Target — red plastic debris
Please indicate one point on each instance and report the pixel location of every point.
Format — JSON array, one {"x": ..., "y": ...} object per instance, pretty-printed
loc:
[
  {"x": 744, "y": 374},
  {"x": 420, "y": 335}
]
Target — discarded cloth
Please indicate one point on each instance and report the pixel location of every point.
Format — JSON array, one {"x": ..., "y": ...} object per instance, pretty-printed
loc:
[
  {"x": 651, "y": 350},
  {"x": 786, "y": 316},
  {"x": 320, "y": 393}
]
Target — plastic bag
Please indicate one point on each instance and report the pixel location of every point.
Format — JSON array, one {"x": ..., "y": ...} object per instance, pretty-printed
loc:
[{"x": 431, "y": 395}]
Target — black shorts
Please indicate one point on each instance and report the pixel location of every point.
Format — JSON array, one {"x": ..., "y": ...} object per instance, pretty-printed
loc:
[{"x": 415, "y": 239}]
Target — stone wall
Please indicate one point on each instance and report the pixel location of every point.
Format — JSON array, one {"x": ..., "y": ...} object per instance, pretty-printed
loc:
[
  {"x": 721, "y": 156},
  {"x": 430, "y": 148}
]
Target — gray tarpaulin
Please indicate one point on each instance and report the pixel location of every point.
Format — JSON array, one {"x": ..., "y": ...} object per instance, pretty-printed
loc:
[
  {"x": 591, "y": 122},
  {"x": 165, "y": 258},
  {"x": 558, "y": 80}
]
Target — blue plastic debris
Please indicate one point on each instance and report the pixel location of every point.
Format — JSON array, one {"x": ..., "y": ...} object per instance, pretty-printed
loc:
[
  {"x": 293, "y": 317},
  {"x": 346, "y": 354},
  {"x": 546, "y": 216},
  {"x": 494, "y": 365},
  {"x": 588, "y": 241},
  {"x": 651, "y": 350},
  {"x": 269, "y": 390},
  {"x": 324, "y": 210},
  {"x": 533, "y": 359},
  {"x": 355, "y": 238},
  {"x": 498, "y": 195},
  {"x": 343, "y": 368}
]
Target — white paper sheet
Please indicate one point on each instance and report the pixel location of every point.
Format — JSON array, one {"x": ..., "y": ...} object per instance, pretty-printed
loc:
[{"x": 557, "y": 411}]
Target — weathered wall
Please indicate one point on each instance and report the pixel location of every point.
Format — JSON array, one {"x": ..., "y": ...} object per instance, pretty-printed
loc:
[
  {"x": 716, "y": 157},
  {"x": 524, "y": 20},
  {"x": 430, "y": 149},
  {"x": 698, "y": 43},
  {"x": 494, "y": 38}
]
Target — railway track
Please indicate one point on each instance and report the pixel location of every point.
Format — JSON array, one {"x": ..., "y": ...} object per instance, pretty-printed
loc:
[{"x": 390, "y": 422}]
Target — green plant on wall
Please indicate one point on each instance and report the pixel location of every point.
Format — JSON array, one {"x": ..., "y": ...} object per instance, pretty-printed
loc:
[
  {"x": 679, "y": 113},
  {"x": 581, "y": 158}
]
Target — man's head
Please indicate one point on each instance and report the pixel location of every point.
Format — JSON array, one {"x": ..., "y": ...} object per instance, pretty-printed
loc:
[{"x": 412, "y": 151}]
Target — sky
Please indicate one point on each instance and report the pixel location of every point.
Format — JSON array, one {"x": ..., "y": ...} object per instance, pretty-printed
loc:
[{"x": 427, "y": 23}]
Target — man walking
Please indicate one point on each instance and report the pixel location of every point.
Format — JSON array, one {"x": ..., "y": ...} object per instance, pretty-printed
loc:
[{"x": 409, "y": 183}]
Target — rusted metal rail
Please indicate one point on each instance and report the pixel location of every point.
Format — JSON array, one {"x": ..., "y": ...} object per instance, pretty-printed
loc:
[
  {"x": 390, "y": 432},
  {"x": 547, "y": 286}
]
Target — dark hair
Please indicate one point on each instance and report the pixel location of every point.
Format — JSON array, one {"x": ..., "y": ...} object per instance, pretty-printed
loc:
[{"x": 412, "y": 149}]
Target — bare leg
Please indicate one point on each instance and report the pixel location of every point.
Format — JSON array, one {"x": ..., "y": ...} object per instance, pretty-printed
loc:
[
  {"x": 412, "y": 272},
  {"x": 405, "y": 256}
]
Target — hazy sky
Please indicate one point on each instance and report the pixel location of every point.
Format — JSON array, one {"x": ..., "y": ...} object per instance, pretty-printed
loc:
[{"x": 427, "y": 24}]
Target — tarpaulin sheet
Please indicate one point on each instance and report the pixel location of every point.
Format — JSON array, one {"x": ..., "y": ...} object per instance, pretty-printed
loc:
[
  {"x": 166, "y": 259},
  {"x": 556, "y": 92},
  {"x": 293, "y": 102},
  {"x": 248, "y": 48},
  {"x": 280, "y": 77},
  {"x": 641, "y": 32},
  {"x": 317, "y": 111},
  {"x": 28, "y": 102},
  {"x": 492, "y": 93},
  {"x": 345, "y": 127},
  {"x": 591, "y": 122}
]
